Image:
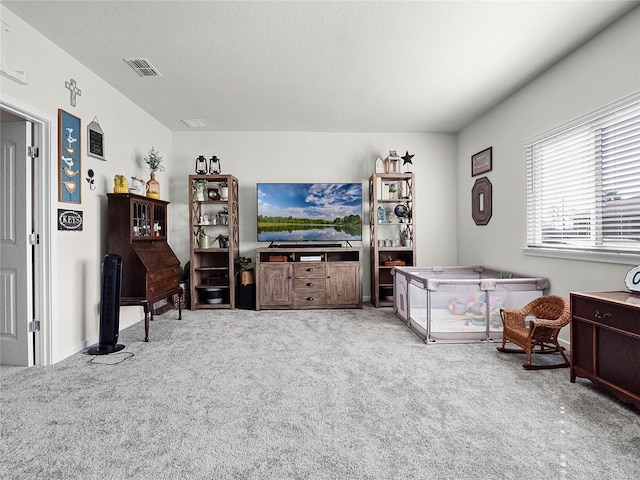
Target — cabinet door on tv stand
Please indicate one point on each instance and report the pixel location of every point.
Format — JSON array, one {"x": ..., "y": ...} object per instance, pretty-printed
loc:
[
  {"x": 344, "y": 283},
  {"x": 275, "y": 287}
]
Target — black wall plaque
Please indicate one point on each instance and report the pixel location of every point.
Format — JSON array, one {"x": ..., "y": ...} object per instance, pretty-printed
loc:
[
  {"x": 95, "y": 143},
  {"x": 70, "y": 220}
]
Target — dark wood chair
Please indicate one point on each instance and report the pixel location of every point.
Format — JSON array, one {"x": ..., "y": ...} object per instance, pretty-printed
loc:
[{"x": 546, "y": 315}]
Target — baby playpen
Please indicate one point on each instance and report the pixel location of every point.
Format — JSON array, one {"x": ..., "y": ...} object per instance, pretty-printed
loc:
[{"x": 460, "y": 304}]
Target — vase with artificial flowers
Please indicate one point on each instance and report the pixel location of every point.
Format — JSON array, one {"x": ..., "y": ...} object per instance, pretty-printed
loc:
[{"x": 154, "y": 161}]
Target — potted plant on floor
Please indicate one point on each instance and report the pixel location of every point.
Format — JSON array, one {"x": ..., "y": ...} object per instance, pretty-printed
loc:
[
  {"x": 185, "y": 272},
  {"x": 246, "y": 286},
  {"x": 243, "y": 266}
]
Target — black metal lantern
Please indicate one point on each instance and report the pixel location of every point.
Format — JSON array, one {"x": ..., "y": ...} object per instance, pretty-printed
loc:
[
  {"x": 214, "y": 166},
  {"x": 201, "y": 165}
]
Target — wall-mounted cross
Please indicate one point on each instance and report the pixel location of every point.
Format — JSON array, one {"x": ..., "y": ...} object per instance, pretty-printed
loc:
[{"x": 73, "y": 91}]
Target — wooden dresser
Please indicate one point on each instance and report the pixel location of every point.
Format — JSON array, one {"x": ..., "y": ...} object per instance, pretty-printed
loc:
[
  {"x": 137, "y": 231},
  {"x": 605, "y": 341}
]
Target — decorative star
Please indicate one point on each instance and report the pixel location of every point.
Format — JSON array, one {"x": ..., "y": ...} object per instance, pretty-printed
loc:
[{"x": 407, "y": 158}]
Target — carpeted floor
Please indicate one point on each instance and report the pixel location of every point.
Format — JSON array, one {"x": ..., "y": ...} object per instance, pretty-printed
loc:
[{"x": 349, "y": 394}]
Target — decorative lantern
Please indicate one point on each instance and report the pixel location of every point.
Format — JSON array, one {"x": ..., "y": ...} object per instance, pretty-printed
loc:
[
  {"x": 201, "y": 165},
  {"x": 392, "y": 162},
  {"x": 214, "y": 166}
]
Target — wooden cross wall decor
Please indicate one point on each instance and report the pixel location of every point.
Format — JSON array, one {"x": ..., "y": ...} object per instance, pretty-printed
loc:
[{"x": 73, "y": 91}]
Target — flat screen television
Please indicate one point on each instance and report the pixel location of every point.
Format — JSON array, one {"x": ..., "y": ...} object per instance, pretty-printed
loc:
[{"x": 309, "y": 212}]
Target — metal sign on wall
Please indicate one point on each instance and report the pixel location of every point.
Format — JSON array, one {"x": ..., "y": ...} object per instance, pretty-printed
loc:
[{"x": 70, "y": 220}]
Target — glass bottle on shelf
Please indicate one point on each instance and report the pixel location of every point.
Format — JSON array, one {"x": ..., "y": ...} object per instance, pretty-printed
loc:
[{"x": 153, "y": 190}]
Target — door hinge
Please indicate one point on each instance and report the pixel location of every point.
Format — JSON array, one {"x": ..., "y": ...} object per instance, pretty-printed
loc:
[
  {"x": 33, "y": 152},
  {"x": 34, "y": 326},
  {"x": 34, "y": 239}
]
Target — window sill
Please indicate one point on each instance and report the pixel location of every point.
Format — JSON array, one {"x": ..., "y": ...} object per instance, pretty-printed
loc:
[{"x": 604, "y": 257}]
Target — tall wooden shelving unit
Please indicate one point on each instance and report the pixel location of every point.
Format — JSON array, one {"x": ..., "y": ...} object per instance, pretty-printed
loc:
[
  {"x": 213, "y": 267},
  {"x": 386, "y": 227}
]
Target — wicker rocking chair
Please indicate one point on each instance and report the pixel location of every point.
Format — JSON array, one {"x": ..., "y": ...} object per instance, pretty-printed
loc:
[{"x": 541, "y": 336}]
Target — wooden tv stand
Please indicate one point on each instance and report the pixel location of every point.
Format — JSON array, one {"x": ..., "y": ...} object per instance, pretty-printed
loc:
[
  {"x": 308, "y": 278},
  {"x": 605, "y": 342}
]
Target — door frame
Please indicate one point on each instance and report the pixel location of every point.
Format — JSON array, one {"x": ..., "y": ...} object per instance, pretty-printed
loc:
[{"x": 43, "y": 297}]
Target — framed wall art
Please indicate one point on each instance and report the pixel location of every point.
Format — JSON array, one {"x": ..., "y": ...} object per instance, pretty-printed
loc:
[
  {"x": 481, "y": 162},
  {"x": 481, "y": 201},
  {"x": 95, "y": 140},
  {"x": 69, "y": 186}
]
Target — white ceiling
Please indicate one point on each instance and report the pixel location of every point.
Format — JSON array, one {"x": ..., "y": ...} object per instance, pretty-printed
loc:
[{"x": 332, "y": 66}]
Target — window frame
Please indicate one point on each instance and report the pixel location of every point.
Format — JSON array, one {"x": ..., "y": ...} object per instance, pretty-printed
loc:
[{"x": 556, "y": 246}]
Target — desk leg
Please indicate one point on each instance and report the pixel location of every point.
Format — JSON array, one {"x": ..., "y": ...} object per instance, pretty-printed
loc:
[
  {"x": 180, "y": 294},
  {"x": 146, "y": 321}
]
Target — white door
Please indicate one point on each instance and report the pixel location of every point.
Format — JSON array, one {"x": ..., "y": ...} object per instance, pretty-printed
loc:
[{"x": 16, "y": 268}]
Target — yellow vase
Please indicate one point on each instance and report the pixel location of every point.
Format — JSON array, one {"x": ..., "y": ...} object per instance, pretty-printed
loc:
[
  {"x": 154, "y": 187},
  {"x": 120, "y": 184}
]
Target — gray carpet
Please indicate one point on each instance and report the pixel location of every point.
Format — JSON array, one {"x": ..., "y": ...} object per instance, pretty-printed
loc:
[{"x": 349, "y": 394}]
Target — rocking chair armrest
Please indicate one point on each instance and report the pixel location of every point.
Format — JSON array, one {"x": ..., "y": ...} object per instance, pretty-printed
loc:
[
  {"x": 513, "y": 317},
  {"x": 556, "y": 323}
]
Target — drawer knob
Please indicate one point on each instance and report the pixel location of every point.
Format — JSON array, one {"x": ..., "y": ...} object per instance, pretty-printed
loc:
[
  {"x": 309, "y": 284},
  {"x": 310, "y": 299},
  {"x": 309, "y": 270},
  {"x": 599, "y": 314}
]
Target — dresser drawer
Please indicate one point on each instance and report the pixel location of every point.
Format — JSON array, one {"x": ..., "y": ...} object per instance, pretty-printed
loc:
[
  {"x": 309, "y": 270},
  {"x": 310, "y": 284},
  {"x": 307, "y": 298},
  {"x": 609, "y": 314},
  {"x": 162, "y": 280}
]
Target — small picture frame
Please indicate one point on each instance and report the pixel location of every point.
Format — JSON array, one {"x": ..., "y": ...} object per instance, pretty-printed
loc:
[
  {"x": 95, "y": 140},
  {"x": 481, "y": 162}
]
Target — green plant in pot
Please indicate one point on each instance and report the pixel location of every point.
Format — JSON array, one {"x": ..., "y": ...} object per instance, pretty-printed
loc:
[
  {"x": 223, "y": 240},
  {"x": 224, "y": 190},
  {"x": 409, "y": 215},
  {"x": 224, "y": 216},
  {"x": 243, "y": 265}
]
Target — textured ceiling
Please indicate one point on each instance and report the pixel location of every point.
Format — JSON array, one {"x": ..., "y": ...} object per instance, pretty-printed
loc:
[{"x": 333, "y": 66}]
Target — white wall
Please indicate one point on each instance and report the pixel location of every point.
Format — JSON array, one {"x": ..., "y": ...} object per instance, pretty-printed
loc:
[
  {"x": 604, "y": 70},
  {"x": 129, "y": 133},
  {"x": 322, "y": 157}
]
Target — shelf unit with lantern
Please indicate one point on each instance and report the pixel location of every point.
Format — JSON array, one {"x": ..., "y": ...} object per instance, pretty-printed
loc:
[
  {"x": 214, "y": 240},
  {"x": 391, "y": 231}
]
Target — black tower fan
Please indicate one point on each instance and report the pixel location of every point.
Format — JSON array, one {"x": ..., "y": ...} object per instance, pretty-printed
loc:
[{"x": 109, "y": 306}]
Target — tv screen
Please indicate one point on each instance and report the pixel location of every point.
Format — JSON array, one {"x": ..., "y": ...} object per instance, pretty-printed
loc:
[{"x": 315, "y": 212}]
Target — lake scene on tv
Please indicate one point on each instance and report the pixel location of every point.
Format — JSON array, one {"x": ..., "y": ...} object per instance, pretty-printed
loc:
[{"x": 320, "y": 212}]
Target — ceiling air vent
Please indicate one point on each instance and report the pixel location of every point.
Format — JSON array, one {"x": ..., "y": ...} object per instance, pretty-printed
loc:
[
  {"x": 143, "y": 67},
  {"x": 195, "y": 123}
]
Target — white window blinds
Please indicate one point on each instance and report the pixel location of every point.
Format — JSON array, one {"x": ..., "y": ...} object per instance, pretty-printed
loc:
[{"x": 583, "y": 183}]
